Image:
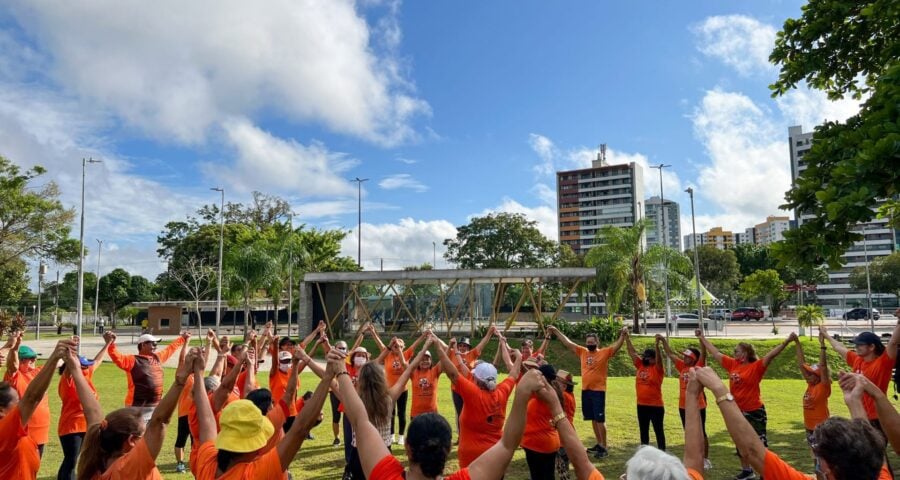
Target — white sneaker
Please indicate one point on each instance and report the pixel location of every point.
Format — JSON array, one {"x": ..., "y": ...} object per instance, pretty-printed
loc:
[
  {"x": 401, "y": 441},
  {"x": 707, "y": 465},
  {"x": 393, "y": 439}
]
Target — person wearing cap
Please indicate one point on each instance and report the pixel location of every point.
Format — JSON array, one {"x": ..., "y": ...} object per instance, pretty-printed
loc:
[
  {"x": 690, "y": 358},
  {"x": 540, "y": 439},
  {"x": 870, "y": 358},
  {"x": 818, "y": 388},
  {"x": 19, "y": 455},
  {"x": 424, "y": 380},
  {"x": 468, "y": 355},
  {"x": 648, "y": 380},
  {"x": 121, "y": 445},
  {"x": 481, "y": 421},
  {"x": 745, "y": 373},
  {"x": 281, "y": 351},
  {"x": 566, "y": 384},
  {"x": 184, "y": 401},
  {"x": 144, "y": 371},
  {"x": 594, "y": 369},
  {"x": 395, "y": 358},
  {"x": 21, "y": 370},
  {"x": 72, "y": 425}
]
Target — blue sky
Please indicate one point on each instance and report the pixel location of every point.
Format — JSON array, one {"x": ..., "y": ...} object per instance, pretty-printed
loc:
[{"x": 452, "y": 109}]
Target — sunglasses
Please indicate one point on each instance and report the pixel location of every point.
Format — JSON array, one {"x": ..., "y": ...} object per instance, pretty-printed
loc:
[{"x": 343, "y": 349}]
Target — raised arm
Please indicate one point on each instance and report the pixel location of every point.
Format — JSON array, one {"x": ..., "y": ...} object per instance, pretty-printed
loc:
[
  {"x": 709, "y": 347},
  {"x": 447, "y": 364},
  {"x": 563, "y": 339},
  {"x": 173, "y": 347},
  {"x": 484, "y": 341},
  {"x": 742, "y": 434},
  {"x": 250, "y": 364},
  {"x": 891, "y": 349},
  {"x": 778, "y": 349},
  {"x": 569, "y": 439},
  {"x": 619, "y": 341},
  {"x": 630, "y": 347},
  {"x": 208, "y": 431},
  {"x": 397, "y": 389},
  {"x": 801, "y": 358},
  {"x": 836, "y": 345},
  {"x": 227, "y": 384},
  {"x": 222, "y": 347},
  {"x": 693, "y": 428},
  {"x": 668, "y": 349},
  {"x": 374, "y": 333},
  {"x": 293, "y": 439},
  {"x": 155, "y": 433},
  {"x": 516, "y": 368},
  {"x": 12, "y": 363},
  {"x": 307, "y": 361},
  {"x": 38, "y": 386},
  {"x": 316, "y": 332},
  {"x": 93, "y": 413},
  {"x": 887, "y": 415},
  {"x": 492, "y": 463},
  {"x": 123, "y": 361},
  {"x": 503, "y": 350},
  {"x": 824, "y": 371},
  {"x": 543, "y": 347}
]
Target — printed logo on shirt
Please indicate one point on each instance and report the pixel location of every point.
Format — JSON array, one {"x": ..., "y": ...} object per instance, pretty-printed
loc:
[
  {"x": 807, "y": 400},
  {"x": 396, "y": 365},
  {"x": 590, "y": 360},
  {"x": 424, "y": 384},
  {"x": 736, "y": 377},
  {"x": 643, "y": 375}
]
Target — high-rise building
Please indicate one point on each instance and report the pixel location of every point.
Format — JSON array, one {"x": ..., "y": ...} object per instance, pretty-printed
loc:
[
  {"x": 771, "y": 231},
  {"x": 879, "y": 240},
  {"x": 719, "y": 238},
  {"x": 591, "y": 198},
  {"x": 691, "y": 240},
  {"x": 748, "y": 237},
  {"x": 665, "y": 218}
]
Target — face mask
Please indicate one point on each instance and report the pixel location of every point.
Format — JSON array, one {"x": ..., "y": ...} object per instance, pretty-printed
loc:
[
  {"x": 645, "y": 361},
  {"x": 359, "y": 361},
  {"x": 592, "y": 348},
  {"x": 284, "y": 367}
]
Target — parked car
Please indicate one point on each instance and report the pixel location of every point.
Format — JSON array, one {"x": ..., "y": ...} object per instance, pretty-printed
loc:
[
  {"x": 720, "y": 314},
  {"x": 687, "y": 320},
  {"x": 861, "y": 314},
  {"x": 747, "y": 313}
]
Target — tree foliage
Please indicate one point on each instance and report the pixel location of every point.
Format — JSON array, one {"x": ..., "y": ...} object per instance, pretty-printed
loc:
[
  {"x": 767, "y": 286},
  {"x": 500, "y": 240},
  {"x": 719, "y": 271},
  {"x": 884, "y": 275},
  {"x": 618, "y": 260}
]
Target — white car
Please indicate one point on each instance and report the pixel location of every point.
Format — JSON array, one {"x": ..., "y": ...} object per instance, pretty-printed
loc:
[
  {"x": 720, "y": 314},
  {"x": 688, "y": 320}
]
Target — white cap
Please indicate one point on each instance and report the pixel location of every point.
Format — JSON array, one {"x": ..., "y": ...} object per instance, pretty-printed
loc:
[
  {"x": 485, "y": 372},
  {"x": 147, "y": 338},
  {"x": 284, "y": 356}
]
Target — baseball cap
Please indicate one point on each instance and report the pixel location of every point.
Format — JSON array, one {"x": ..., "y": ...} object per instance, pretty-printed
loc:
[
  {"x": 243, "y": 428},
  {"x": 285, "y": 357},
  {"x": 866, "y": 338},
  {"x": 565, "y": 377},
  {"x": 688, "y": 353},
  {"x": 85, "y": 362},
  {"x": 27, "y": 353},
  {"x": 485, "y": 372},
  {"x": 359, "y": 350},
  {"x": 464, "y": 341},
  {"x": 548, "y": 372},
  {"x": 811, "y": 369},
  {"x": 147, "y": 338}
]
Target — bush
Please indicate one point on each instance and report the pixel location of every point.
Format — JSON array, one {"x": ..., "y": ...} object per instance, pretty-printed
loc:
[{"x": 606, "y": 328}]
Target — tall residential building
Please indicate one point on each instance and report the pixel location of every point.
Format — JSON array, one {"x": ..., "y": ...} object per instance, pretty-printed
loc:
[
  {"x": 748, "y": 237},
  {"x": 771, "y": 231},
  {"x": 664, "y": 219},
  {"x": 716, "y": 236},
  {"x": 879, "y": 240},
  {"x": 591, "y": 198},
  {"x": 691, "y": 240}
]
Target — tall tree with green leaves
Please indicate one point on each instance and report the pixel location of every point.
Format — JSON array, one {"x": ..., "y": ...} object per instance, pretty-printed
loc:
[
  {"x": 719, "y": 271},
  {"x": 767, "y": 286},
  {"x": 884, "y": 275},
  {"x": 500, "y": 240},
  {"x": 248, "y": 269},
  {"x": 618, "y": 260},
  {"x": 843, "y": 48}
]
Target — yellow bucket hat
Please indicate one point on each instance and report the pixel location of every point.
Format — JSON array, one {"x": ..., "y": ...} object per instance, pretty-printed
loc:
[{"x": 243, "y": 428}]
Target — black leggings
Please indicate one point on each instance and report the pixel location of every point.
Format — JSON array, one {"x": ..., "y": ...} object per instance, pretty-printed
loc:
[
  {"x": 400, "y": 404},
  {"x": 458, "y": 406},
  {"x": 184, "y": 432},
  {"x": 335, "y": 413},
  {"x": 646, "y": 415},
  {"x": 71, "y": 446},
  {"x": 541, "y": 465}
]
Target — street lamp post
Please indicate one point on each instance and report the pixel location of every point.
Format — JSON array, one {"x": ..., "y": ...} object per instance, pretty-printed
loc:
[
  {"x": 221, "y": 250},
  {"x": 359, "y": 182},
  {"x": 80, "y": 302},
  {"x": 434, "y": 255},
  {"x": 290, "y": 276},
  {"x": 690, "y": 191},
  {"x": 868, "y": 281},
  {"x": 97, "y": 293},
  {"x": 42, "y": 270},
  {"x": 662, "y": 209}
]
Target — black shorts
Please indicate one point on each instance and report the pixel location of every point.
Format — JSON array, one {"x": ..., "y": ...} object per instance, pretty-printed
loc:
[
  {"x": 702, "y": 418},
  {"x": 184, "y": 432},
  {"x": 593, "y": 405}
]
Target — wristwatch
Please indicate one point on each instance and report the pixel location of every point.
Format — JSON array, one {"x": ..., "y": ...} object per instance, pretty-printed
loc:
[{"x": 728, "y": 397}]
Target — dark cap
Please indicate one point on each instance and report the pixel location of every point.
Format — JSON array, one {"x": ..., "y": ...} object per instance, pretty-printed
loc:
[
  {"x": 866, "y": 338},
  {"x": 649, "y": 353},
  {"x": 464, "y": 341},
  {"x": 548, "y": 371}
]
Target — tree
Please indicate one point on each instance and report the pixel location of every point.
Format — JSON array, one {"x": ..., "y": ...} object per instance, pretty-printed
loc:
[
  {"x": 809, "y": 315},
  {"x": 13, "y": 281},
  {"x": 719, "y": 270},
  {"x": 766, "y": 285},
  {"x": 657, "y": 260},
  {"x": 197, "y": 278},
  {"x": 884, "y": 275},
  {"x": 114, "y": 288},
  {"x": 68, "y": 290},
  {"x": 852, "y": 165},
  {"x": 249, "y": 268},
  {"x": 500, "y": 240},
  {"x": 751, "y": 257},
  {"x": 619, "y": 265}
]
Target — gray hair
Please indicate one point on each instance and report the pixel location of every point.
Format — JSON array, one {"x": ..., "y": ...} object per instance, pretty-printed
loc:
[
  {"x": 650, "y": 463},
  {"x": 211, "y": 383}
]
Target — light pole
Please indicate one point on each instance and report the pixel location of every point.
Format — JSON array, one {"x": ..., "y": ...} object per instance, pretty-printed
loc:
[
  {"x": 42, "y": 270},
  {"x": 434, "y": 255},
  {"x": 290, "y": 276},
  {"x": 690, "y": 191},
  {"x": 97, "y": 294},
  {"x": 359, "y": 182},
  {"x": 868, "y": 282},
  {"x": 80, "y": 304},
  {"x": 221, "y": 251},
  {"x": 662, "y": 209}
]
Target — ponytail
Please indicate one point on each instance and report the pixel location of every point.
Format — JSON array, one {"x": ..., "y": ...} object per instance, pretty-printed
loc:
[
  {"x": 105, "y": 439},
  {"x": 91, "y": 459}
]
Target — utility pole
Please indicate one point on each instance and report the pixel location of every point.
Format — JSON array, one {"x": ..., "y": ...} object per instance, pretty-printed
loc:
[
  {"x": 690, "y": 191},
  {"x": 97, "y": 294},
  {"x": 662, "y": 210},
  {"x": 359, "y": 182},
  {"x": 42, "y": 270},
  {"x": 221, "y": 250},
  {"x": 80, "y": 301}
]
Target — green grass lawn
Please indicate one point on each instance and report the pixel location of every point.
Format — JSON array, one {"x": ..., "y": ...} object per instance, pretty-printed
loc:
[{"x": 318, "y": 459}]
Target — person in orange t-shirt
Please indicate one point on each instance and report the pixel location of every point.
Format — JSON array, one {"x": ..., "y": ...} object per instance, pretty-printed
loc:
[
  {"x": 540, "y": 440},
  {"x": 424, "y": 380},
  {"x": 395, "y": 358},
  {"x": 745, "y": 373},
  {"x": 818, "y": 389},
  {"x": 691, "y": 357},
  {"x": 72, "y": 424},
  {"x": 594, "y": 365},
  {"x": 468, "y": 355},
  {"x": 21, "y": 370},
  {"x": 648, "y": 381},
  {"x": 19, "y": 451}
]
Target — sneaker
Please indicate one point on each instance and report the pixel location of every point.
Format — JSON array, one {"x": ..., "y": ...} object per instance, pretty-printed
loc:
[
  {"x": 401, "y": 440},
  {"x": 595, "y": 448},
  {"x": 393, "y": 439},
  {"x": 310, "y": 436},
  {"x": 336, "y": 442},
  {"x": 602, "y": 453},
  {"x": 745, "y": 475},
  {"x": 180, "y": 468},
  {"x": 707, "y": 465}
]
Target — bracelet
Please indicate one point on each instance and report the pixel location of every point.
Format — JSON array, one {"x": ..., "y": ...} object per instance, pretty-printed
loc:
[
  {"x": 342, "y": 373},
  {"x": 180, "y": 384},
  {"x": 559, "y": 416}
]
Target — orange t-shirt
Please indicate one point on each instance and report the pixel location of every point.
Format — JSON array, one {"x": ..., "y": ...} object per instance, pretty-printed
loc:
[
  {"x": 393, "y": 367},
  {"x": 539, "y": 435},
  {"x": 815, "y": 404},
  {"x": 137, "y": 464},
  {"x": 39, "y": 423},
  {"x": 683, "y": 379},
  {"x": 146, "y": 370},
  {"x": 648, "y": 384},
  {"x": 278, "y": 381},
  {"x": 186, "y": 399},
  {"x": 594, "y": 367},
  {"x": 469, "y": 357},
  {"x": 71, "y": 415},
  {"x": 424, "y": 390},
  {"x": 595, "y": 475},
  {"x": 17, "y": 448},
  {"x": 240, "y": 384},
  {"x": 878, "y": 371},
  {"x": 389, "y": 468},
  {"x": 775, "y": 468},
  {"x": 277, "y": 415},
  {"x": 482, "y": 417},
  {"x": 569, "y": 406},
  {"x": 267, "y": 465},
  {"x": 194, "y": 420},
  {"x": 744, "y": 382}
]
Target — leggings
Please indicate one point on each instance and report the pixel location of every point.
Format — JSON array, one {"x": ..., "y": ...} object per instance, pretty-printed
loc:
[
  {"x": 458, "y": 406},
  {"x": 184, "y": 431},
  {"x": 541, "y": 465},
  {"x": 646, "y": 415},
  {"x": 335, "y": 413},
  {"x": 400, "y": 404},
  {"x": 71, "y": 446}
]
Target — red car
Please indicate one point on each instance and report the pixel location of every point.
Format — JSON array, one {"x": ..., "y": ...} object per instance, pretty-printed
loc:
[{"x": 747, "y": 314}]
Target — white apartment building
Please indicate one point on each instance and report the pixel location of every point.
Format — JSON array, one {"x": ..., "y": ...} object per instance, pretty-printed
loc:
[{"x": 665, "y": 219}]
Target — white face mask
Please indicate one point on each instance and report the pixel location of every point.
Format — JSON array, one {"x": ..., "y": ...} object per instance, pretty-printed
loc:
[
  {"x": 284, "y": 367},
  {"x": 359, "y": 361}
]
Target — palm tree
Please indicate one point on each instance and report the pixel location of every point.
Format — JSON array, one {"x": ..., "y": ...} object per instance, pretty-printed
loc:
[
  {"x": 249, "y": 268},
  {"x": 809, "y": 315},
  {"x": 619, "y": 265}
]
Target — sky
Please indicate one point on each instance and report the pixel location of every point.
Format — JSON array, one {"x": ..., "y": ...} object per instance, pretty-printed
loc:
[{"x": 450, "y": 109}]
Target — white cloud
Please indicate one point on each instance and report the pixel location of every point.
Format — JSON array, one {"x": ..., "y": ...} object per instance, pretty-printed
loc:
[
  {"x": 174, "y": 70},
  {"x": 402, "y": 180},
  {"x": 545, "y": 193},
  {"x": 544, "y": 216},
  {"x": 547, "y": 152},
  {"x": 408, "y": 161},
  {"x": 807, "y": 107},
  {"x": 406, "y": 243},
  {"x": 739, "y": 41},
  {"x": 267, "y": 163},
  {"x": 583, "y": 157}
]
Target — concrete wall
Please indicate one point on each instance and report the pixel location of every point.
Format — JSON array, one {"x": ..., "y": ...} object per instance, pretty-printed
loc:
[{"x": 164, "y": 320}]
